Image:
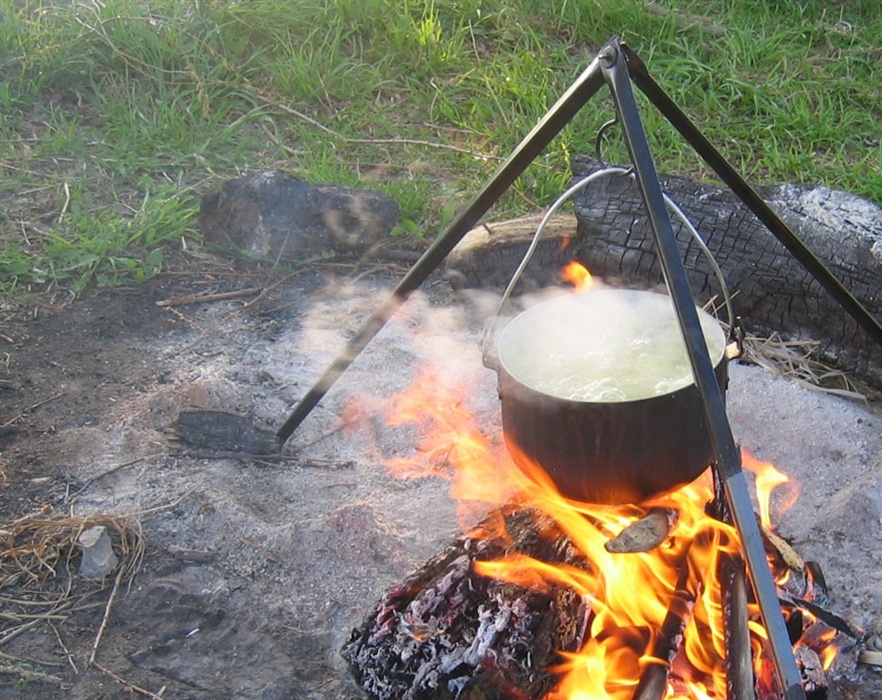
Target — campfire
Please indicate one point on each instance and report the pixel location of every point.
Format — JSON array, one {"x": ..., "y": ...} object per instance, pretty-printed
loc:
[{"x": 551, "y": 597}]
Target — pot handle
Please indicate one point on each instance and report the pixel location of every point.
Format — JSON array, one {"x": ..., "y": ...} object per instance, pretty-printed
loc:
[{"x": 489, "y": 350}]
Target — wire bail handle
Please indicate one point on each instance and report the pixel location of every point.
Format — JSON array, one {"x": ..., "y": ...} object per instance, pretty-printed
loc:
[{"x": 489, "y": 355}]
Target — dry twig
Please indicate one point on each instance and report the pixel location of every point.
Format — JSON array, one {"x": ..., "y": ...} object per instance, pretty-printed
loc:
[
  {"x": 31, "y": 408},
  {"x": 201, "y": 298},
  {"x": 126, "y": 684},
  {"x": 106, "y": 617}
]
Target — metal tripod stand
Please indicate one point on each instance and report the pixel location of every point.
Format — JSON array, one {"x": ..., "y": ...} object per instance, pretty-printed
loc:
[{"x": 617, "y": 66}]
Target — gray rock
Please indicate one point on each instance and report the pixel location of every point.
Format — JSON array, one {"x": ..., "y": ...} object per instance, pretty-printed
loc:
[
  {"x": 274, "y": 216},
  {"x": 99, "y": 559}
]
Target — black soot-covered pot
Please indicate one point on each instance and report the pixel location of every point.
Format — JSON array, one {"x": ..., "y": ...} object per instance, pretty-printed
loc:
[{"x": 596, "y": 389}]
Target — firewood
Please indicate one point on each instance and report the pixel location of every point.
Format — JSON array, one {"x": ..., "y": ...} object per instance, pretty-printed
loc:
[
  {"x": 450, "y": 633},
  {"x": 788, "y": 555},
  {"x": 814, "y": 679},
  {"x": 645, "y": 534},
  {"x": 653, "y": 683},
  {"x": 447, "y": 632},
  {"x": 739, "y": 658}
]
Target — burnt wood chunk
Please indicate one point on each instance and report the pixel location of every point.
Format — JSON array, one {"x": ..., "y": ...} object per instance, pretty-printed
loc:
[
  {"x": 646, "y": 533},
  {"x": 448, "y": 633},
  {"x": 221, "y": 432}
]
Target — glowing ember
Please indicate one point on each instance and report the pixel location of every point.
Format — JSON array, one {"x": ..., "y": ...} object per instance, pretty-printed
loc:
[
  {"x": 633, "y": 597},
  {"x": 577, "y": 275}
]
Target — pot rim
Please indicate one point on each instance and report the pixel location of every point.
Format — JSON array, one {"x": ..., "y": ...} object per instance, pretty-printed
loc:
[{"x": 717, "y": 358}]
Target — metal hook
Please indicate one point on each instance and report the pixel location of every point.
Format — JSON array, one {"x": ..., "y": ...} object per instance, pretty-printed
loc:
[{"x": 599, "y": 138}]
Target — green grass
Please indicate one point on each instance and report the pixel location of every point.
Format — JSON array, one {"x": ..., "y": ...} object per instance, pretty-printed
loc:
[{"x": 116, "y": 117}]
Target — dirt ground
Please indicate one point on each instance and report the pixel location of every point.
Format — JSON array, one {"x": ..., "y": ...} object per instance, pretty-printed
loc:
[{"x": 255, "y": 570}]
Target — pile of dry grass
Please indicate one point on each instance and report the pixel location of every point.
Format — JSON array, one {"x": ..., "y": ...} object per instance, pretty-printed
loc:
[
  {"x": 799, "y": 361},
  {"x": 39, "y": 579}
]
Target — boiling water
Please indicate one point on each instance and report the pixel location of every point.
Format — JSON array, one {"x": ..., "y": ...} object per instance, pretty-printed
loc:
[{"x": 604, "y": 346}]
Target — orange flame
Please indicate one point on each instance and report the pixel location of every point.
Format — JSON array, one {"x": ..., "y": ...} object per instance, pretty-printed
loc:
[
  {"x": 630, "y": 594},
  {"x": 577, "y": 275},
  {"x": 828, "y": 655},
  {"x": 767, "y": 478}
]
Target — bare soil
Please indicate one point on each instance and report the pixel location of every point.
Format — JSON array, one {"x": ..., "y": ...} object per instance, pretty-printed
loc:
[{"x": 256, "y": 569}]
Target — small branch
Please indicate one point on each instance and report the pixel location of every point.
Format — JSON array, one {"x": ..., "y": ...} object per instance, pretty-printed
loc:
[
  {"x": 13, "y": 633},
  {"x": 428, "y": 144},
  {"x": 31, "y": 408},
  {"x": 200, "y": 298},
  {"x": 275, "y": 139},
  {"x": 115, "y": 469},
  {"x": 126, "y": 684},
  {"x": 64, "y": 648},
  {"x": 347, "y": 139},
  {"x": 106, "y": 617}
]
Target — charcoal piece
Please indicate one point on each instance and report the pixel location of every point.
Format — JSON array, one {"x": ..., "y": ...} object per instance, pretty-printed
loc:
[
  {"x": 448, "y": 633},
  {"x": 221, "y": 432},
  {"x": 814, "y": 679}
]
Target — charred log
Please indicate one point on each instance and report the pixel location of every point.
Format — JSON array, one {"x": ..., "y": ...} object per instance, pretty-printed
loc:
[
  {"x": 610, "y": 234},
  {"x": 739, "y": 657},
  {"x": 775, "y": 293},
  {"x": 653, "y": 683},
  {"x": 446, "y": 632},
  {"x": 449, "y": 632}
]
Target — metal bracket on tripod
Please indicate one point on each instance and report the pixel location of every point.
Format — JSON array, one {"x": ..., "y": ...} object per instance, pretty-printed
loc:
[{"x": 617, "y": 65}]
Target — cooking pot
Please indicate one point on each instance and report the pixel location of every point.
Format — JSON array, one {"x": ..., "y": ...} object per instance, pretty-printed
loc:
[{"x": 596, "y": 388}]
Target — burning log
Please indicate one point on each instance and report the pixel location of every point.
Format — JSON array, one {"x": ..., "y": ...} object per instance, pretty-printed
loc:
[
  {"x": 739, "y": 658},
  {"x": 533, "y": 604},
  {"x": 447, "y": 632},
  {"x": 653, "y": 683}
]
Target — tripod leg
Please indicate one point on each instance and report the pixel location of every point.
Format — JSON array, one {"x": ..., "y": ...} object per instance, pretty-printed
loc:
[
  {"x": 728, "y": 456},
  {"x": 748, "y": 195},
  {"x": 558, "y": 116}
]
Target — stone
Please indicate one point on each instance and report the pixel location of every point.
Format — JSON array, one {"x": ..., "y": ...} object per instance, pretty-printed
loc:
[
  {"x": 274, "y": 216},
  {"x": 98, "y": 559}
]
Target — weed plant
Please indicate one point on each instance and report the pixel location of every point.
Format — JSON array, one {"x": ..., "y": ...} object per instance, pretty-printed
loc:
[{"x": 117, "y": 114}]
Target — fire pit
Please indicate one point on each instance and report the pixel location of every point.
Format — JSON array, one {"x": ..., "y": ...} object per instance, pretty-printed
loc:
[
  {"x": 314, "y": 537},
  {"x": 274, "y": 563},
  {"x": 561, "y": 599}
]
